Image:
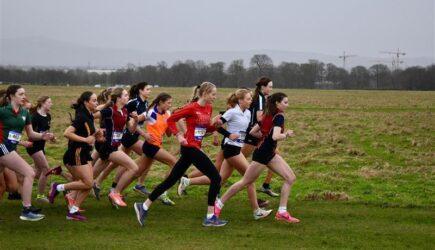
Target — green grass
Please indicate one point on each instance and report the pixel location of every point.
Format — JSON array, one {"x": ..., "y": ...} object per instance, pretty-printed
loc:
[{"x": 373, "y": 151}]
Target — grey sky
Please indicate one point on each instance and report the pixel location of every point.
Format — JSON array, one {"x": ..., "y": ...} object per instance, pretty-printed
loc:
[{"x": 363, "y": 27}]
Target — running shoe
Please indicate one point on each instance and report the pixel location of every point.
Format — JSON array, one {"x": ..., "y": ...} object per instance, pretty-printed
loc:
[
  {"x": 41, "y": 198},
  {"x": 214, "y": 222},
  {"x": 54, "y": 171},
  {"x": 141, "y": 213},
  {"x": 184, "y": 182},
  {"x": 165, "y": 199},
  {"x": 261, "y": 213},
  {"x": 28, "y": 215},
  {"x": 34, "y": 210},
  {"x": 262, "y": 203},
  {"x": 53, "y": 192},
  {"x": 96, "y": 191},
  {"x": 268, "y": 191},
  {"x": 75, "y": 216},
  {"x": 116, "y": 198},
  {"x": 286, "y": 217},
  {"x": 140, "y": 189}
]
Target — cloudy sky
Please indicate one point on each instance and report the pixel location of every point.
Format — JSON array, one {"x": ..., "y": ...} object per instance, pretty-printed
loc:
[{"x": 363, "y": 27}]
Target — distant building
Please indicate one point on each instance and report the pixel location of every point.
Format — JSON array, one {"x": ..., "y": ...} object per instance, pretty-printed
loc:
[{"x": 101, "y": 71}]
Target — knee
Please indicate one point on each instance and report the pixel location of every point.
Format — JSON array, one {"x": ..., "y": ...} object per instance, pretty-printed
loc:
[
  {"x": 217, "y": 179},
  {"x": 31, "y": 173},
  {"x": 290, "y": 179},
  {"x": 88, "y": 183}
]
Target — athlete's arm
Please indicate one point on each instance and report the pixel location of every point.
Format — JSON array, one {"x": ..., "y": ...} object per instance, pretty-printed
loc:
[{"x": 71, "y": 135}]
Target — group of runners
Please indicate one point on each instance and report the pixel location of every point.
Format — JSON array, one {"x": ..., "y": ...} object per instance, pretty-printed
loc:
[{"x": 129, "y": 123}]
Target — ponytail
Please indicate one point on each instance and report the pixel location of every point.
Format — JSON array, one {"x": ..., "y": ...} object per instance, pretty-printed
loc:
[
  {"x": 134, "y": 90},
  {"x": 263, "y": 81},
  {"x": 162, "y": 97},
  {"x": 38, "y": 104},
  {"x": 6, "y": 94}
]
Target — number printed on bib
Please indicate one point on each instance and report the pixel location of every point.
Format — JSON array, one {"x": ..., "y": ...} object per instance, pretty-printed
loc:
[
  {"x": 199, "y": 133},
  {"x": 117, "y": 136},
  {"x": 14, "y": 137},
  {"x": 242, "y": 136}
]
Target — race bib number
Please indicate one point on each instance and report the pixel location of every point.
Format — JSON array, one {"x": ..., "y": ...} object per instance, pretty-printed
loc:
[
  {"x": 242, "y": 136},
  {"x": 14, "y": 137},
  {"x": 199, "y": 133},
  {"x": 116, "y": 137}
]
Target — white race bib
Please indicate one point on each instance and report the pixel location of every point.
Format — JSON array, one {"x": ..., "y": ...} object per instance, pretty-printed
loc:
[
  {"x": 14, "y": 137},
  {"x": 199, "y": 133},
  {"x": 116, "y": 136},
  {"x": 242, "y": 136}
]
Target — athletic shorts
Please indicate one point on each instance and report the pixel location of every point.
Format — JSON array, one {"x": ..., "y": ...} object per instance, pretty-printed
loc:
[
  {"x": 105, "y": 149},
  {"x": 5, "y": 149},
  {"x": 251, "y": 140},
  {"x": 129, "y": 139},
  {"x": 36, "y": 148},
  {"x": 150, "y": 150},
  {"x": 77, "y": 157},
  {"x": 231, "y": 150},
  {"x": 263, "y": 156}
]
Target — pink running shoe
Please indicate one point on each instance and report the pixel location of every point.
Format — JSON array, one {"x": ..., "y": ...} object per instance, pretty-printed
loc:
[
  {"x": 117, "y": 199},
  {"x": 286, "y": 217}
]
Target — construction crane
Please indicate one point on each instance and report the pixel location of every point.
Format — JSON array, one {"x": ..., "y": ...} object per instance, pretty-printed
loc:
[
  {"x": 396, "y": 57},
  {"x": 344, "y": 57}
]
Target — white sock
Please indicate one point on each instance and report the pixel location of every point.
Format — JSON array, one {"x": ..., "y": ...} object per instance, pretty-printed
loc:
[
  {"x": 209, "y": 215},
  {"x": 282, "y": 209},
  {"x": 145, "y": 206},
  {"x": 219, "y": 203},
  {"x": 73, "y": 209},
  {"x": 187, "y": 182},
  {"x": 60, "y": 187}
]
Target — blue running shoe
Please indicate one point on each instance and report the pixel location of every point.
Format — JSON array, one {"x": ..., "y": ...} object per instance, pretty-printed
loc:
[
  {"x": 141, "y": 190},
  {"x": 214, "y": 222},
  {"x": 28, "y": 215},
  {"x": 141, "y": 213}
]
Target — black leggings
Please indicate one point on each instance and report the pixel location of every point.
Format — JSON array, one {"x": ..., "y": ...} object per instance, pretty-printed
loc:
[{"x": 196, "y": 157}]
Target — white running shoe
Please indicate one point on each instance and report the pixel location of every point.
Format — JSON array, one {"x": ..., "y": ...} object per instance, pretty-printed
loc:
[
  {"x": 261, "y": 213},
  {"x": 184, "y": 182}
]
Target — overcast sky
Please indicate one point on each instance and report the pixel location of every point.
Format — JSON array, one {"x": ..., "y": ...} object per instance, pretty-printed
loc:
[{"x": 363, "y": 27}]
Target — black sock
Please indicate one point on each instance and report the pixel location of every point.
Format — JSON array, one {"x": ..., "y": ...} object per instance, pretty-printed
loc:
[
  {"x": 266, "y": 185},
  {"x": 114, "y": 184}
]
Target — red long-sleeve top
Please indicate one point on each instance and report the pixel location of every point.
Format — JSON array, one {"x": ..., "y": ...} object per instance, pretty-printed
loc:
[{"x": 197, "y": 121}]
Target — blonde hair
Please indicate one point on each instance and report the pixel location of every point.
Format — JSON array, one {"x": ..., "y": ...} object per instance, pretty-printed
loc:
[
  {"x": 201, "y": 89},
  {"x": 233, "y": 99}
]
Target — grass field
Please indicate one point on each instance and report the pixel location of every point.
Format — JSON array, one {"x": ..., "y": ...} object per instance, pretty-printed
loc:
[{"x": 364, "y": 162}]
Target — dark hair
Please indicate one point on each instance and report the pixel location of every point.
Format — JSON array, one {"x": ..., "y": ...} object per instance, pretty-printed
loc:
[
  {"x": 271, "y": 108},
  {"x": 6, "y": 94},
  {"x": 263, "y": 81},
  {"x": 162, "y": 97},
  {"x": 134, "y": 90},
  {"x": 103, "y": 97},
  {"x": 41, "y": 100},
  {"x": 80, "y": 103}
]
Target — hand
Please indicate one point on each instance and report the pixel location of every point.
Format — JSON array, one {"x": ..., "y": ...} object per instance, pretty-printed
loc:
[
  {"x": 181, "y": 140},
  {"x": 134, "y": 115},
  {"x": 99, "y": 135},
  {"x": 290, "y": 133},
  {"x": 233, "y": 137},
  {"x": 215, "y": 139},
  {"x": 90, "y": 140},
  {"x": 54, "y": 140},
  {"x": 27, "y": 144},
  {"x": 46, "y": 136},
  {"x": 216, "y": 121}
]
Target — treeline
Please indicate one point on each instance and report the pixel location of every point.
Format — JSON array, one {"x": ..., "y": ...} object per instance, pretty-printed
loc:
[{"x": 313, "y": 74}]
